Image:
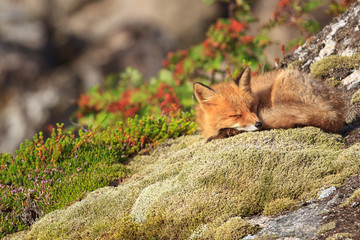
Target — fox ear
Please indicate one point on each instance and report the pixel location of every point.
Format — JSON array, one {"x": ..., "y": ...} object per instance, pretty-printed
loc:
[
  {"x": 203, "y": 93},
  {"x": 243, "y": 80}
]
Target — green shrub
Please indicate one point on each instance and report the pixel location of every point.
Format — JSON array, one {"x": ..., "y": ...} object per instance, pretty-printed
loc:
[
  {"x": 228, "y": 45},
  {"x": 45, "y": 175},
  {"x": 127, "y": 94}
]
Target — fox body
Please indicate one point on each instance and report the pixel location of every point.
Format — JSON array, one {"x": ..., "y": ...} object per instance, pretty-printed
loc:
[{"x": 278, "y": 99}]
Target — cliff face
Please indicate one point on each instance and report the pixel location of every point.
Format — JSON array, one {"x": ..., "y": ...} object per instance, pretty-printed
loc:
[{"x": 189, "y": 189}]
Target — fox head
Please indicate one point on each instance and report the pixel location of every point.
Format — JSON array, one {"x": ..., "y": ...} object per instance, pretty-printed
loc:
[{"x": 227, "y": 105}]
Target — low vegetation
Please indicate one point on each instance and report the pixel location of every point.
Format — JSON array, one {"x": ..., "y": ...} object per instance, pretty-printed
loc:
[{"x": 50, "y": 174}]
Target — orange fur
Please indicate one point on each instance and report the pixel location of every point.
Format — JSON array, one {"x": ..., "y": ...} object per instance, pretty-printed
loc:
[{"x": 278, "y": 99}]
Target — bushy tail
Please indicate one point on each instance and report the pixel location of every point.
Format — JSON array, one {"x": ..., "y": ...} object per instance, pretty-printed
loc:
[{"x": 294, "y": 115}]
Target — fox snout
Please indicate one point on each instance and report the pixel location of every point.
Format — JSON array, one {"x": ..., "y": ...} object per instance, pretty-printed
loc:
[
  {"x": 248, "y": 128},
  {"x": 258, "y": 125}
]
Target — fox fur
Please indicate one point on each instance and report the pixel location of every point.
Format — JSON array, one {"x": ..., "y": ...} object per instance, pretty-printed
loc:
[{"x": 277, "y": 99}]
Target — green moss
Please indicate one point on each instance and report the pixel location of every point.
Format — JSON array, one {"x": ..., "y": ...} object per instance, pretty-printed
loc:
[
  {"x": 296, "y": 64},
  {"x": 353, "y": 198},
  {"x": 235, "y": 228},
  {"x": 356, "y": 97},
  {"x": 187, "y": 188},
  {"x": 279, "y": 205},
  {"x": 339, "y": 236},
  {"x": 87, "y": 219},
  {"x": 332, "y": 65},
  {"x": 267, "y": 237},
  {"x": 328, "y": 63},
  {"x": 326, "y": 227},
  {"x": 332, "y": 81}
]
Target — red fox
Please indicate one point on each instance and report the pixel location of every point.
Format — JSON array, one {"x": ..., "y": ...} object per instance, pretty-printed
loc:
[{"x": 277, "y": 99}]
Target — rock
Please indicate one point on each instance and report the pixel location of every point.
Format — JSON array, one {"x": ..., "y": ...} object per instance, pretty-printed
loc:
[
  {"x": 340, "y": 38},
  {"x": 333, "y": 56},
  {"x": 300, "y": 224},
  {"x": 327, "y": 192},
  {"x": 352, "y": 80}
]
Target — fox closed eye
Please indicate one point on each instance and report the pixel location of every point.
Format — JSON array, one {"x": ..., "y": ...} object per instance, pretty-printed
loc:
[{"x": 236, "y": 115}]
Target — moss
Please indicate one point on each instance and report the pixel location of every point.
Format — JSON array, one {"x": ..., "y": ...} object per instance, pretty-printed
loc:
[
  {"x": 296, "y": 65},
  {"x": 235, "y": 228},
  {"x": 279, "y": 205},
  {"x": 86, "y": 219},
  {"x": 355, "y": 197},
  {"x": 149, "y": 196},
  {"x": 16, "y": 236},
  {"x": 332, "y": 81},
  {"x": 326, "y": 227},
  {"x": 267, "y": 237},
  {"x": 339, "y": 236},
  {"x": 335, "y": 67},
  {"x": 187, "y": 188},
  {"x": 124, "y": 228},
  {"x": 356, "y": 97}
]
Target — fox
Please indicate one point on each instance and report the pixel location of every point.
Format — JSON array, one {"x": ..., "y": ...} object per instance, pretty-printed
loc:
[{"x": 284, "y": 98}]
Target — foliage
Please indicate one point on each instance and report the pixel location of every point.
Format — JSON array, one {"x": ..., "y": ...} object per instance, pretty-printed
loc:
[
  {"x": 45, "y": 175},
  {"x": 228, "y": 42},
  {"x": 126, "y": 95},
  {"x": 296, "y": 14},
  {"x": 228, "y": 46}
]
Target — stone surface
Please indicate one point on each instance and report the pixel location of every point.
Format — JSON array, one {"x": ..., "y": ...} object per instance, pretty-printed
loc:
[{"x": 341, "y": 37}]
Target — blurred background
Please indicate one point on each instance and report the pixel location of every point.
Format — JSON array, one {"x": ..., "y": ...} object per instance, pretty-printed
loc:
[{"x": 51, "y": 51}]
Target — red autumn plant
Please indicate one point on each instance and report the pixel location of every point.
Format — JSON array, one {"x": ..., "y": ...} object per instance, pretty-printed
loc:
[
  {"x": 169, "y": 102},
  {"x": 124, "y": 104},
  {"x": 126, "y": 99},
  {"x": 227, "y": 43}
]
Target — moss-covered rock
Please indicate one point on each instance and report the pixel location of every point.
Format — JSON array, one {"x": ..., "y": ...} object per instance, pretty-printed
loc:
[
  {"x": 326, "y": 227},
  {"x": 339, "y": 236},
  {"x": 279, "y": 205},
  {"x": 356, "y": 97},
  {"x": 187, "y": 188},
  {"x": 335, "y": 67},
  {"x": 235, "y": 228},
  {"x": 353, "y": 199}
]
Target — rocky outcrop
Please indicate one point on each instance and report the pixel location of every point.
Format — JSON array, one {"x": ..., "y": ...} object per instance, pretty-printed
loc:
[{"x": 333, "y": 55}]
